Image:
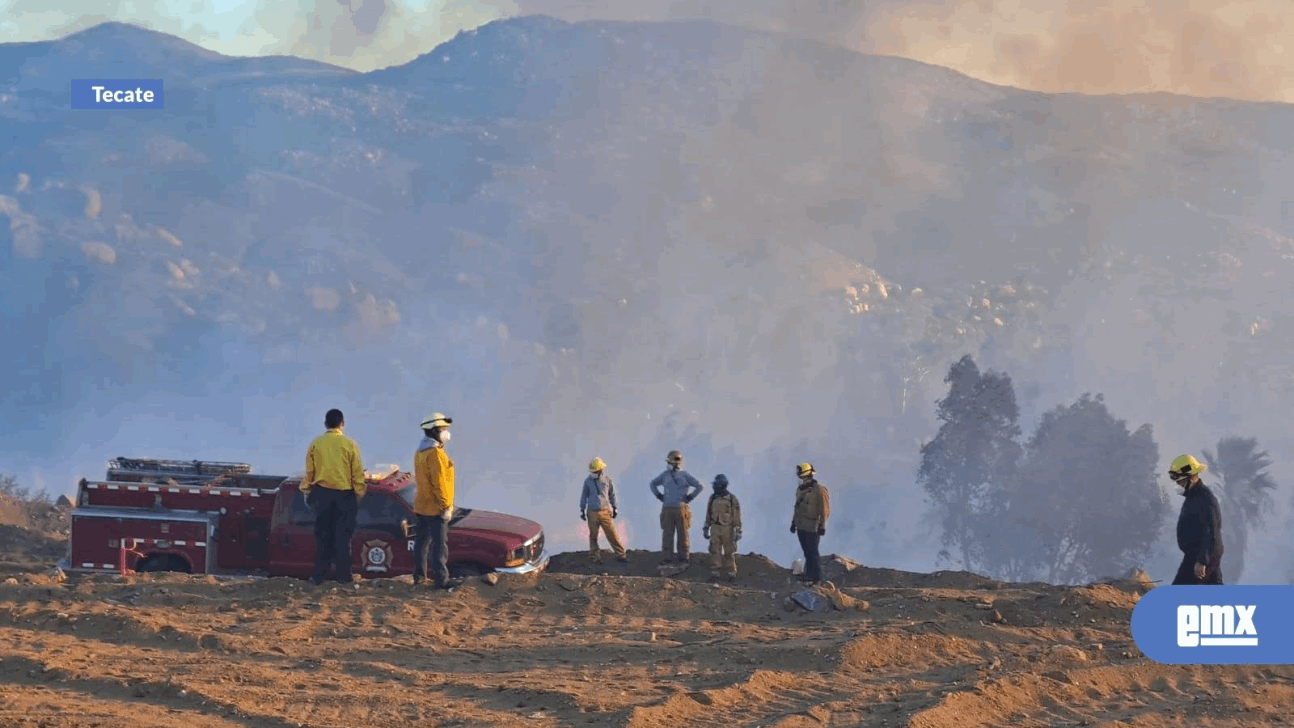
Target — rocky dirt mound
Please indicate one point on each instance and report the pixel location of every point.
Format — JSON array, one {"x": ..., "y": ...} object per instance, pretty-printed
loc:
[
  {"x": 33, "y": 536},
  {"x": 758, "y": 571}
]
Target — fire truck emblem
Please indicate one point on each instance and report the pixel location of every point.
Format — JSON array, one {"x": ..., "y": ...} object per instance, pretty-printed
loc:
[{"x": 377, "y": 555}]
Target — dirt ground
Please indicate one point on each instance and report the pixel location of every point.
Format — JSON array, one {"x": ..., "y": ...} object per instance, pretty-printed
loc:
[{"x": 576, "y": 646}]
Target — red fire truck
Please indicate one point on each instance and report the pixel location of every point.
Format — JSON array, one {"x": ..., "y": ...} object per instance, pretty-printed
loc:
[{"x": 205, "y": 517}]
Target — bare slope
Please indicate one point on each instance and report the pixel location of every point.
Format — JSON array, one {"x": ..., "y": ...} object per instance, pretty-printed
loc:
[{"x": 564, "y": 649}]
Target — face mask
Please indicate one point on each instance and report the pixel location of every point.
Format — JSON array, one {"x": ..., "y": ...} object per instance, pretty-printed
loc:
[{"x": 443, "y": 437}]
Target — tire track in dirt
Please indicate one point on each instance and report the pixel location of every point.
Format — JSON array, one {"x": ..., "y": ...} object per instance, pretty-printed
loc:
[
  {"x": 144, "y": 696},
  {"x": 765, "y": 695},
  {"x": 1115, "y": 693}
]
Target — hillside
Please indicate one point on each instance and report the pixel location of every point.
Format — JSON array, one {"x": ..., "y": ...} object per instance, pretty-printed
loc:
[
  {"x": 635, "y": 650},
  {"x": 621, "y": 239}
]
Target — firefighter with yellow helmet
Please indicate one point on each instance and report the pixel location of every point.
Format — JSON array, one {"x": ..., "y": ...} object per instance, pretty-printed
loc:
[
  {"x": 1199, "y": 525},
  {"x": 809, "y": 523},
  {"x": 433, "y": 503},
  {"x": 598, "y": 507}
]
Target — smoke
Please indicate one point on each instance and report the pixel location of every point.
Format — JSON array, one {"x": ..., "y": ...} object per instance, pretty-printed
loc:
[
  {"x": 633, "y": 278},
  {"x": 1194, "y": 47}
]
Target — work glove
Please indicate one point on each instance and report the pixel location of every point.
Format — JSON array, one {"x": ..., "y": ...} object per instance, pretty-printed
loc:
[
  {"x": 583, "y": 516},
  {"x": 660, "y": 497},
  {"x": 736, "y": 535},
  {"x": 688, "y": 499},
  {"x": 615, "y": 513},
  {"x": 792, "y": 528},
  {"x": 705, "y": 533},
  {"x": 822, "y": 532},
  {"x": 448, "y": 514}
]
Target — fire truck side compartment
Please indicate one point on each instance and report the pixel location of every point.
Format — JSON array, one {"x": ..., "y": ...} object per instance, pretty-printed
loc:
[{"x": 99, "y": 530}]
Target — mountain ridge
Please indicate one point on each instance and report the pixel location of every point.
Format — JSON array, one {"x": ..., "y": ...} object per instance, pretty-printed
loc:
[{"x": 631, "y": 247}]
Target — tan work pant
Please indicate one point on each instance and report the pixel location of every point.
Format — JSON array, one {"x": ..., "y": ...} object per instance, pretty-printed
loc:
[
  {"x": 723, "y": 550},
  {"x": 602, "y": 520},
  {"x": 674, "y": 524}
]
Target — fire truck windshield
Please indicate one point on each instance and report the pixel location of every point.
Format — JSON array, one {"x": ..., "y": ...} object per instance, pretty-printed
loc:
[{"x": 407, "y": 494}]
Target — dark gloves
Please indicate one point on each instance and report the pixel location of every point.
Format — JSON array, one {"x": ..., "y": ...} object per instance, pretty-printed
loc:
[
  {"x": 689, "y": 499},
  {"x": 705, "y": 533},
  {"x": 822, "y": 532},
  {"x": 792, "y": 528},
  {"x": 736, "y": 535},
  {"x": 659, "y": 497},
  {"x": 615, "y": 513},
  {"x": 583, "y": 516}
]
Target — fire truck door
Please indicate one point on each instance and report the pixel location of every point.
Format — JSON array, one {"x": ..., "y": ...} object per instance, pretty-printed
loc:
[
  {"x": 292, "y": 543},
  {"x": 379, "y": 545}
]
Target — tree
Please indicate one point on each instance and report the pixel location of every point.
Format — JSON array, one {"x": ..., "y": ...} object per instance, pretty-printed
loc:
[
  {"x": 1245, "y": 491},
  {"x": 1088, "y": 496},
  {"x": 10, "y": 487},
  {"x": 977, "y": 448}
]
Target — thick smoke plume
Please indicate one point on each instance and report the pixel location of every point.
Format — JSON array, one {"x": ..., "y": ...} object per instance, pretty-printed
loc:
[{"x": 1193, "y": 47}]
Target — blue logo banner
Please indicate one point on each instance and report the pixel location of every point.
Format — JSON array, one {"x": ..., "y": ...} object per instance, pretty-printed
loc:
[
  {"x": 1216, "y": 625},
  {"x": 118, "y": 93}
]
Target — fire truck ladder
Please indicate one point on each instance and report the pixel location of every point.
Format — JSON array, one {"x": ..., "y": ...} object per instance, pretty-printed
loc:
[{"x": 181, "y": 471}]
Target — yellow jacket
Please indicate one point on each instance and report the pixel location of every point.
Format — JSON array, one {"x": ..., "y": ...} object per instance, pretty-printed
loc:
[
  {"x": 434, "y": 473},
  {"x": 333, "y": 461}
]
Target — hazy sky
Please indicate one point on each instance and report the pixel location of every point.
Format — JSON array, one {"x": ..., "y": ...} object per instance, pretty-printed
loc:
[{"x": 1196, "y": 47}]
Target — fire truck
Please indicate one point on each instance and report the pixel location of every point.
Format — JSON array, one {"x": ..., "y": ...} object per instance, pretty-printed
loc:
[{"x": 206, "y": 517}]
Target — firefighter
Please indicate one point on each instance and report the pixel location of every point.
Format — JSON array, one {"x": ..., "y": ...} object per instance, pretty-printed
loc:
[
  {"x": 675, "y": 489},
  {"x": 598, "y": 507},
  {"x": 809, "y": 523},
  {"x": 333, "y": 486},
  {"x": 723, "y": 529},
  {"x": 1199, "y": 525},
  {"x": 433, "y": 503}
]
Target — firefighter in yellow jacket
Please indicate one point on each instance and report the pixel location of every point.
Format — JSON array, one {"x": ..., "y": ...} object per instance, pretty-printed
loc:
[
  {"x": 723, "y": 529},
  {"x": 433, "y": 503},
  {"x": 332, "y": 486},
  {"x": 812, "y": 509}
]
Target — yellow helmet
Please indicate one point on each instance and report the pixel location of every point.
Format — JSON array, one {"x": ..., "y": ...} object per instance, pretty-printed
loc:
[
  {"x": 435, "y": 419},
  {"x": 597, "y": 465},
  {"x": 804, "y": 469},
  {"x": 1186, "y": 465}
]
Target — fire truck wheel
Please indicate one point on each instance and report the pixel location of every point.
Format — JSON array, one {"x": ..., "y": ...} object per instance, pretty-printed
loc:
[
  {"x": 162, "y": 562},
  {"x": 466, "y": 570}
]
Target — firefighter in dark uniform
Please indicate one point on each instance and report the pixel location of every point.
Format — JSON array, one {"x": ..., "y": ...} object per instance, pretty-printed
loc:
[{"x": 1199, "y": 526}]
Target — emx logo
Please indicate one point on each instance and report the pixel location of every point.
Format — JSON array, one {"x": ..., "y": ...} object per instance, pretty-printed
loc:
[{"x": 1216, "y": 625}]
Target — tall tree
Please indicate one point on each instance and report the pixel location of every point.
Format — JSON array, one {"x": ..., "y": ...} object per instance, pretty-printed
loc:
[
  {"x": 977, "y": 447},
  {"x": 1245, "y": 491},
  {"x": 1088, "y": 496}
]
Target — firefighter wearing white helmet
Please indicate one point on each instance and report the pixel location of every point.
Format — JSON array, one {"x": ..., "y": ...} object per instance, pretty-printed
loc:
[
  {"x": 1199, "y": 525},
  {"x": 433, "y": 503},
  {"x": 598, "y": 507},
  {"x": 809, "y": 522},
  {"x": 675, "y": 489}
]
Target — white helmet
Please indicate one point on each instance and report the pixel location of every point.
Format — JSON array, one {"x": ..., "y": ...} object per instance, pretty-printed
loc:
[{"x": 436, "y": 419}]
